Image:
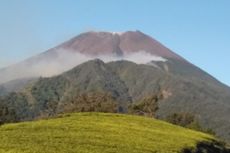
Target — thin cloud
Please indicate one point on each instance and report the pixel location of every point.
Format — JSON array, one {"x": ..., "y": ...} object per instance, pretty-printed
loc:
[{"x": 65, "y": 60}]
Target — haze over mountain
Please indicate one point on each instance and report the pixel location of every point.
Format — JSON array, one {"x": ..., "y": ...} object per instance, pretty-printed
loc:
[
  {"x": 109, "y": 46},
  {"x": 133, "y": 66}
]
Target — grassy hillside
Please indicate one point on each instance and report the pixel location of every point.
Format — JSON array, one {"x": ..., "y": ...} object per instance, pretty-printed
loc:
[{"x": 97, "y": 133}]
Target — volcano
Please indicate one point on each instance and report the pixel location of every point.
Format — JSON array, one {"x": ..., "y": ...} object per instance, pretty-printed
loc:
[{"x": 128, "y": 66}]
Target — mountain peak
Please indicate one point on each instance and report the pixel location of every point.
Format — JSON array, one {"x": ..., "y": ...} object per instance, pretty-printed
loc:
[
  {"x": 111, "y": 32},
  {"x": 105, "y": 32},
  {"x": 96, "y": 43}
]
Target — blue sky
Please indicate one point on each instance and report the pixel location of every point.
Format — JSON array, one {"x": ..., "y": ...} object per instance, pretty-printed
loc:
[{"x": 198, "y": 30}]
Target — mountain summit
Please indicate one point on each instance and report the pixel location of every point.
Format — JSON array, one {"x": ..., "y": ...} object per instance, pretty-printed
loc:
[{"x": 113, "y": 43}]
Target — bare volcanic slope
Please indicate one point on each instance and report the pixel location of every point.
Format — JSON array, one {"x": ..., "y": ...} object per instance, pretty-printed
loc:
[
  {"x": 86, "y": 46},
  {"x": 107, "y": 43}
]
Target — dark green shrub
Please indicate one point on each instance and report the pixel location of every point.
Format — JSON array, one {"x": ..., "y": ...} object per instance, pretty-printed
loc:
[
  {"x": 182, "y": 119},
  {"x": 187, "y": 120},
  {"x": 147, "y": 106},
  {"x": 92, "y": 102}
]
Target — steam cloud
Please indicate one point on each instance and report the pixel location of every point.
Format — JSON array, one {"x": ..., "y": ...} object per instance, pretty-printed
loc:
[{"x": 63, "y": 61}]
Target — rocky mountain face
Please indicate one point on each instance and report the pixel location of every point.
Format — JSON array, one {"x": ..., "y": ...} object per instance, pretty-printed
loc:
[{"x": 113, "y": 86}]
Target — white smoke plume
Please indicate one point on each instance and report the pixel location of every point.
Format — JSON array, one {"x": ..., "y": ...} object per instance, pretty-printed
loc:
[{"x": 63, "y": 61}]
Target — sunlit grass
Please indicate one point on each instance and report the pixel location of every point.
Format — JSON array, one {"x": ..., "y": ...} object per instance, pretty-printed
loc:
[{"x": 97, "y": 133}]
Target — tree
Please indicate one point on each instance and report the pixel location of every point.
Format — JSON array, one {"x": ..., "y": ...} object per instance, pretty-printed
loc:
[
  {"x": 147, "y": 106},
  {"x": 181, "y": 119},
  {"x": 92, "y": 102},
  {"x": 187, "y": 120},
  {"x": 7, "y": 114}
]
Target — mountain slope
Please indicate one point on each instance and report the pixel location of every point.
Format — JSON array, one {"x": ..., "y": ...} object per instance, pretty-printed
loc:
[
  {"x": 84, "y": 47},
  {"x": 179, "y": 86},
  {"x": 15, "y": 85},
  {"x": 113, "y": 87},
  {"x": 100, "y": 43},
  {"x": 97, "y": 132},
  {"x": 198, "y": 93}
]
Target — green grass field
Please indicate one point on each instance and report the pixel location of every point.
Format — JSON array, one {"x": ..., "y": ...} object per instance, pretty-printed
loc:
[{"x": 97, "y": 133}]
